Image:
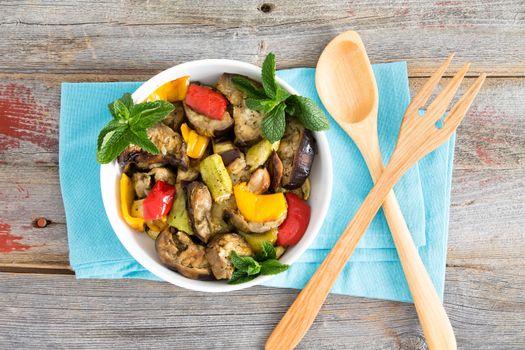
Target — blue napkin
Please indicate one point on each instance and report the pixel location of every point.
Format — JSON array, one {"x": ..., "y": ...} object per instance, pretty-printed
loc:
[{"x": 374, "y": 270}]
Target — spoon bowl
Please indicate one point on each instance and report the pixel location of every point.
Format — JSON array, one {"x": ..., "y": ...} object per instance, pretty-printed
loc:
[{"x": 345, "y": 80}]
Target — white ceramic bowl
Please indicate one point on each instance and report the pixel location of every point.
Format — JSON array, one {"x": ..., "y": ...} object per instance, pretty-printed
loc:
[{"x": 141, "y": 246}]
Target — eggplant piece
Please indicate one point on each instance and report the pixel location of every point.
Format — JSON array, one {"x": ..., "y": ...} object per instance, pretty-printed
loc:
[
  {"x": 296, "y": 151},
  {"x": 247, "y": 126},
  {"x": 229, "y": 156},
  {"x": 226, "y": 87},
  {"x": 222, "y": 146},
  {"x": 170, "y": 145},
  {"x": 238, "y": 171},
  {"x": 275, "y": 168},
  {"x": 163, "y": 174},
  {"x": 237, "y": 220},
  {"x": 218, "y": 224},
  {"x": 176, "y": 117},
  {"x": 218, "y": 253},
  {"x": 180, "y": 253},
  {"x": 259, "y": 181},
  {"x": 190, "y": 174},
  {"x": 206, "y": 126},
  {"x": 199, "y": 205},
  {"x": 142, "y": 184}
]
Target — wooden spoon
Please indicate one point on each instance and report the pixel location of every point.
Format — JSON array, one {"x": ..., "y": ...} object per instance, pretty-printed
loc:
[{"x": 346, "y": 85}]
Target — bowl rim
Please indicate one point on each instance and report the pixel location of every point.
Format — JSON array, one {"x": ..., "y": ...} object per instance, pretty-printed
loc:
[{"x": 107, "y": 170}]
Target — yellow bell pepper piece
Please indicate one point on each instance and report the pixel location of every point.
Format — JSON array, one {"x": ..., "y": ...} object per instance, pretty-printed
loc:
[
  {"x": 127, "y": 194},
  {"x": 259, "y": 207},
  {"x": 172, "y": 91},
  {"x": 195, "y": 143}
]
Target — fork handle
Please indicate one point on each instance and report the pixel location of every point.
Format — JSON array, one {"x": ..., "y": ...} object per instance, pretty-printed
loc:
[
  {"x": 302, "y": 313},
  {"x": 432, "y": 316}
]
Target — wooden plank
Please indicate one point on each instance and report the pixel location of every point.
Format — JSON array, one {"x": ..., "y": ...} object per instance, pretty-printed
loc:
[
  {"x": 485, "y": 306},
  {"x": 109, "y": 37},
  {"x": 490, "y": 137}
]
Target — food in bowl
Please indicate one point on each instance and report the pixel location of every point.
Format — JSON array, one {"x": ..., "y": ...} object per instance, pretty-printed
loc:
[{"x": 217, "y": 175}]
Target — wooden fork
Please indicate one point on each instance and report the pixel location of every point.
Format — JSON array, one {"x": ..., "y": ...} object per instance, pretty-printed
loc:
[{"x": 418, "y": 136}]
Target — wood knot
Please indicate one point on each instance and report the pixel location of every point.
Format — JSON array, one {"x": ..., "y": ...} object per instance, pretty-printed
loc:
[
  {"x": 41, "y": 222},
  {"x": 266, "y": 8}
]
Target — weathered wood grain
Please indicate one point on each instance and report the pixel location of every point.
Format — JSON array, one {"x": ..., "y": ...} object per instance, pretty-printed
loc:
[
  {"x": 109, "y": 37},
  {"x": 491, "y": 137},
  {"x": 486, "y": 308}
]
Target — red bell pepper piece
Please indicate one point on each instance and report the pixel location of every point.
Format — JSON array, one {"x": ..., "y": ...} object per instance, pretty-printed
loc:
[
  {"x": 159, "y": 201},
  {"x": 296, "y": 222},
  {"x": 206, "y": 101}
]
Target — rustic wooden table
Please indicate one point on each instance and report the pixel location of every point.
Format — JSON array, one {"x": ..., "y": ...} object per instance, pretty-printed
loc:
[{"x": 42, "y": 43}]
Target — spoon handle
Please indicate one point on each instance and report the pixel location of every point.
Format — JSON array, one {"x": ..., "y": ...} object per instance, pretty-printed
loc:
[
  {"x": 432, "y": 316},
  {"x": 302, "y": 313}
]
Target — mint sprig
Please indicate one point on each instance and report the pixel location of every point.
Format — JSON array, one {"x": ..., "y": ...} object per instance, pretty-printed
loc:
[
  {"x": 276, "y": 102},
  {"x": 129, "y": 127},
  {"x": 264, "y": 263}
]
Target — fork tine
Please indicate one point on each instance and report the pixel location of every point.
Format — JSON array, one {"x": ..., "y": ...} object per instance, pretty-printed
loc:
[
  {"x": 426, "y": 91},
  {"x": 438, "y": 107},
  {"x": 459, "y": 110}
]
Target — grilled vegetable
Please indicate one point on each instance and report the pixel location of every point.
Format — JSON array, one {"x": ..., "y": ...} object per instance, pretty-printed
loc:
[
  {"x": 226, "y": 87},
  {"x": 238, "y": 171},
  {"x": 142, "y": 184},
  {"x": 171, "y": 91},
  {"x": 259, "y": 181},
  {"x": 296, "y": 151},
  {"x": 296, "y": 223},
  {"x": 206, "y": 101},
  {"x": 176, "y": 117},
  {"x": 236, "y": 219},
  {"x": 178, "y": 217},
  {"x": 190, "y": 174},
  {"x": 127, "y": 193},
  {"x": 222, "y": 146},
  {"x": 159, "y": 201},
  {"x": 195, "y": 144},
  {"x": 259, "y": 207},
  {"x": 206, "y": 126},
  {"x": 180, "y": 253},
  {"x": 198, "y": 203},
  {"x": 218, "y": 252},
  {"x": 163, "y": 174},
  {"x": 216, "y": 177},
  {"x": 170, "y": 144},
  {"x": 259, "y": 153},
  {"x": 275, "y": 168},
  {"x": 154, "y": 228},
  {"x": 255, "y": 240},
  {"x": 217, "y": 222}
]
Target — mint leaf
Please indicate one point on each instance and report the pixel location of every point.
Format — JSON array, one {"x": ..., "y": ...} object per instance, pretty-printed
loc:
[
  {"x": 119, "y": 110},
  {"x": 281, "y": 94},
  {"x": 268, "y": 252},
  {"x": 268, "y": 76},
  {"x": 127, "y": 100},
  {"x": 307, "y": 113},
  {"x": 248, "y": 87},
  {"x": 245, "y": 263},
  {"x": 112, "y": 144},
  {"x": 111, "y": 126},
  {"x": 240, "y": 277},
  {"x": 272, "y": 267},
  {"x": 263, "y": 105},
  {"x": 147, "y": 114},
  {"x": 274, "y": 123}
]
